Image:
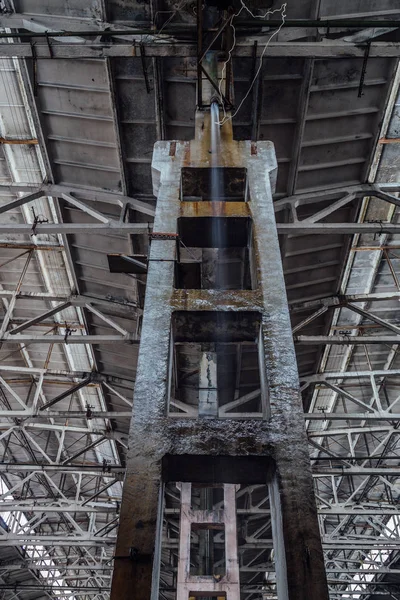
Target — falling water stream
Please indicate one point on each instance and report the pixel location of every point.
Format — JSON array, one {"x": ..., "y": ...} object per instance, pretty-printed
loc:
[
  {"x": 212, "y": 264},
  {"x": 218, "y": 233},
  {"x": 216, "y": 191}
]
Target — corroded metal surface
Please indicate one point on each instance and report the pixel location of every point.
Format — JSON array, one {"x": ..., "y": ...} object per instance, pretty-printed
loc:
[
  {"x": 221, "y": 300},
  {"x": 214, "y": 209},
  {"x": 196, "y": 182}
]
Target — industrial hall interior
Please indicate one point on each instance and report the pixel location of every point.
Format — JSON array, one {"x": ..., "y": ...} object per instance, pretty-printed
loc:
[{"x": 199, "y": 299}]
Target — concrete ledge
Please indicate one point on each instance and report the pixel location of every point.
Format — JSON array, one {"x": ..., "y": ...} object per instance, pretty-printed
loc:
[{"x": 218, "y": 300}]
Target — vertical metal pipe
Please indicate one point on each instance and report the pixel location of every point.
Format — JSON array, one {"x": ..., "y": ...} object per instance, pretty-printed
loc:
[{"x": 199, "y": 53}]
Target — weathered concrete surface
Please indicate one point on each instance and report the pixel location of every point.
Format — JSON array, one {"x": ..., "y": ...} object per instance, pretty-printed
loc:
[
  {"x": 300, "y": 568},
  {"x": 220, "y": 300},
  {"x": 139, "y": 510},
  {"x": 214, "y": 209},
  {"x": 196, "y": 182},
  {"x": 304, "y": 565}
]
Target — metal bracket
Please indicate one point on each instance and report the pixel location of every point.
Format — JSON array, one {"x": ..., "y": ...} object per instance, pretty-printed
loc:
[
  {"x": 68, "y": 332},
  {"x": 49, "y": 45},
  {"x": 144, "y": 68},
  {"x": 37, "y": 221},
  {"x": 364, "y": 69}
]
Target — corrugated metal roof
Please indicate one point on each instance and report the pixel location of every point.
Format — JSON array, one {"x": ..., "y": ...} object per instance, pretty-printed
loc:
[{"x": 97, "y": 123}]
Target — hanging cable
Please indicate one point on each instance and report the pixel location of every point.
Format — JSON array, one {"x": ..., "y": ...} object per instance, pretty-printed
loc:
[{"x": 282, "y": 10}]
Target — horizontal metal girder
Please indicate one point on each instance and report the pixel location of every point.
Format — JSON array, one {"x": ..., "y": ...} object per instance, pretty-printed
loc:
[
  {"x": 73, "y": 414},
  {"x": 76, "y": 51},
  {"x": 58, "y": 190},
  {"x": 62, "y": 539},
  {"x": 90, "y": 470},
  {"x": 334, "y": 301},
  {"x": 76, "y": 228},
  {"x": 73, "y": 507},
  {"x": 335, "y": 416},
  {"x": 60, "y": 566},
  {"x": 299, "y": 228},
  {"x": 340, "y": 340},
  {"x": 356, "y": 191},
  {"x": 71, "y": 339},
  {"x": 355, "y": 471},
  {"x": 326, "y": 544},
  {"x": 356, "y": 512},
  {"x": 21, "y": 587},
  {"x": 74, "y": 300},
  {"x": 366, "y": 544},
  {"x": 305, "y": 228},
  {"x": 320, "y": 377}
]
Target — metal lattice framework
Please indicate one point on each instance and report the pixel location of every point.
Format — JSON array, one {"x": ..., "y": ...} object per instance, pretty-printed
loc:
[{"x": 70, "y": 330}]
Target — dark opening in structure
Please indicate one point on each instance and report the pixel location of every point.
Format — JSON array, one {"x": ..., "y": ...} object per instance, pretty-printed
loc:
[
  {"x": 207, "y": 548},
  {"x": 217, "y": 365},
  {"x": 203, "y": 469},
  {"x": 197, "y": 184},
  {"x": 216, "y": 253}
]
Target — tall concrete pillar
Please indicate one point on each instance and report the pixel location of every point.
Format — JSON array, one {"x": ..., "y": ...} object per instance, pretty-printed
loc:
[{"x": 271, "y": 448}]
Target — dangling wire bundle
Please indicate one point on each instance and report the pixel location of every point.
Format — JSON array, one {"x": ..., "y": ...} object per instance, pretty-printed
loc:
[{"x": 282, "y": 10}]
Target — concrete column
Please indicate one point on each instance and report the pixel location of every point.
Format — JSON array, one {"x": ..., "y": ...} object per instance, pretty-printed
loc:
[
  {"x": 234, "y": 450},
  {"x": 292, "y": 492},
  {"x": 133, "y": 565}
]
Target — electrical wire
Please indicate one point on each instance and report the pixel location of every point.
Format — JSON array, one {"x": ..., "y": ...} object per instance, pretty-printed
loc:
[
  {"x": 282, "y": 10},
  {"x": 173, "y": 13}
]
